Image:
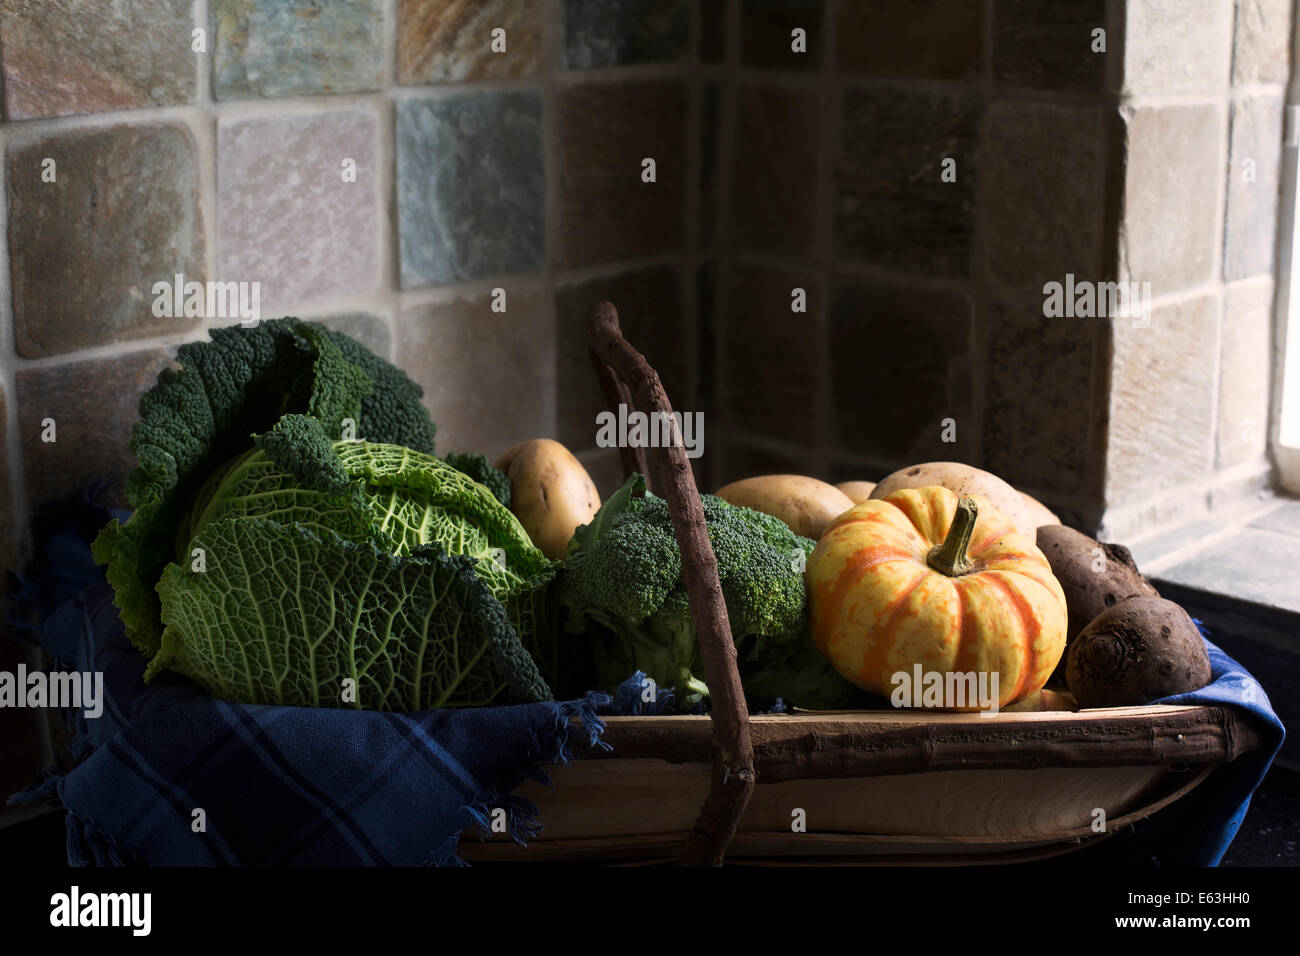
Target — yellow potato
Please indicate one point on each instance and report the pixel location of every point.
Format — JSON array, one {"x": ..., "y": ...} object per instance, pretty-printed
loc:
[
  {"x": 858, "y": 491},
  {"x": 1042, "y": 514},
  {"x": 550, "y": 493},
  {"x": 805, "y": 504},
  {"x": 965, "y": 480}
]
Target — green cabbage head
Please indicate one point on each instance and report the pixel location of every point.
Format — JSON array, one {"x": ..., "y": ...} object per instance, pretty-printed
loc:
[{"x": 317, "y": 572}]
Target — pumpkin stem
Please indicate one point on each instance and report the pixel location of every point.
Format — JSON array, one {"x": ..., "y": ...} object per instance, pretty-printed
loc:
[{"x": 950, "y": 557}]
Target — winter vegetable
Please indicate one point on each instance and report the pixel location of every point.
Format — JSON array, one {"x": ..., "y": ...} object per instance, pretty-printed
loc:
[
  {"x": 201, "y": 415},
  {"x": 857, "y": 491},
  {"x": 805, "y": 504},
  {"x": 275, "y": 557},
  {"x": 622, "y": 583},
  {"x": 1141, "y": 649},
  {"x": 327, "y": 561},
  {"x": 1094, "y": 576},
  {"x": 964, "y": 480},
  {"x": 550, "y": 492},
  {"x": 480, "y": 469},
  {"x": 1039, "y": 512},
  {"x": 923, "y": 577}
]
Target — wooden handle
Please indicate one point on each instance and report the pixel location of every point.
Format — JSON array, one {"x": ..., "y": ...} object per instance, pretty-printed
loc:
[{"x": 625, "y": 373}]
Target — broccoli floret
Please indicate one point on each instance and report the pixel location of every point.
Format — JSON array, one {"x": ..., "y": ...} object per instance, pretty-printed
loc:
[
  {"x": 624, "y": 574},
  {"x": 480, "y": 469}
]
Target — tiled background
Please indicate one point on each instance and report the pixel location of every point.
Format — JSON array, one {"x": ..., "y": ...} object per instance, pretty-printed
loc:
[{"x": 776, "y": 170}]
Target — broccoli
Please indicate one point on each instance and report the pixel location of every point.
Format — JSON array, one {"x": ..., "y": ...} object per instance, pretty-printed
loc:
[
  {"x": 478, "y": 468},
  {"x": 623, "y": 574}
]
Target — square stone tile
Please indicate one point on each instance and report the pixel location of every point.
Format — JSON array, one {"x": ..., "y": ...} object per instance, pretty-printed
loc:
[
  {"x": 767, "y": 38},
  {"x": 1245, "y": 372},
  {"x": 1252, "y": 565},
  {"x": 774, "y": 171},
  {"x": 1161, "y": 431},
  {"x": 912, "y": 39},
  {"x": 1042, "y": 166},
  {"x": 653, "y": 319},
  {"x": 1261, "y": 49},
  {"x": 605, "y": 131},
  {"x": 1038, "y": 398},
  {"x": 450, "y": 41},
  {"x": 487, "y": 376},
  {"x": 624, "y": 32},
  {"x": 86, "y": 249},
  {"x": 1171, "y": 188},
  {"x": 772, "y": 354},
  {"x": 291, "y": 212},
  {"x": 63, "y": 57},
  {"x": 891, "y": 206},
  {"x": 899, "y": 366},
  {"x": 1177, "y": 46},
  {"x": 709, "y": 161},
  {"x": 471, "y": 186},
  {"x": 274, "y": 48},
  {"x": 93, "y": 406},
  {"x": 1049, "y": 45},
  {"x": 368, "y": 329},
  {"x": 1254, "y": 153},
  {"x": 713, "y": 31},
  {"x": 1285, "y": 520}
]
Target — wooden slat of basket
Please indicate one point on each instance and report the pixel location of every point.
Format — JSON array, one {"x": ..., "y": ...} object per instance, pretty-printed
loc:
[
  {"x": 868, "y": 743},
  {"x": 646, "y": 831}
]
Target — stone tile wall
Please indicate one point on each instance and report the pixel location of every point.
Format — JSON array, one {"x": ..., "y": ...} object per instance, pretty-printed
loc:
[
  {"x": 374, "y": 164},
  {"x": 925, "y": 169},
  {"x": 920, "y": 173}
]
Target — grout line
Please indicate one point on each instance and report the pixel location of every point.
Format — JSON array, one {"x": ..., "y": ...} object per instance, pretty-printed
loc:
[
  {"x": 726, "y": 148},
  {"x": 552, "y": 38},
  {"x": 829, "y": 107},
  {"x": 691, "y": 212}
]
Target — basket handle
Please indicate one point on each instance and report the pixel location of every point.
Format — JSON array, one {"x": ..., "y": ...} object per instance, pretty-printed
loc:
[{"x": 625, "y": 374}]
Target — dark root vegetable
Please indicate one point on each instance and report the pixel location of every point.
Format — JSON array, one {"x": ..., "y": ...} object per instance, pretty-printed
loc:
[
  {"x": 1094, "y": 577},
  {"x": 1140, "y": 650}
]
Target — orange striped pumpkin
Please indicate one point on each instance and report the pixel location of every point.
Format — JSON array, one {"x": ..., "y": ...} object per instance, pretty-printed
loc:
[{"x": 914, "y": 578}]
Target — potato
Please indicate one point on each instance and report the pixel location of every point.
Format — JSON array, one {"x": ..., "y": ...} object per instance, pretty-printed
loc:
[
  {"x": 550, "y": 493},
  {"x": 858, "y": 491},
  {"x": 1042, "y": 514},
  {"x": 964, "y": 480},
  {"x": 1094, "y": 576},
  {"x": 1140, "y": 650},
  {"x": 805, "y": 504}
]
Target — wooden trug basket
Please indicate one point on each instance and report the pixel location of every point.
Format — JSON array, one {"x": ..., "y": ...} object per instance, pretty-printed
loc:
[{"x": 898, "y": 787}]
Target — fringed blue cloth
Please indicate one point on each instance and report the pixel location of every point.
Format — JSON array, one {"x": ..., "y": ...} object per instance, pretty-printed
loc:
[{"x": 169, "y": 776}]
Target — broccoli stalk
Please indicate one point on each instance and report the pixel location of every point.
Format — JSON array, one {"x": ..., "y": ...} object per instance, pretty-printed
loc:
[{"x": 622, "y": 581}]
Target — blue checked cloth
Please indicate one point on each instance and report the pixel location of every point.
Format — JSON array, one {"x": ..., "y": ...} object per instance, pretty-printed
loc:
[
  {"x": 318, "y": 786},
  {"x": 275, "y": 785}
]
